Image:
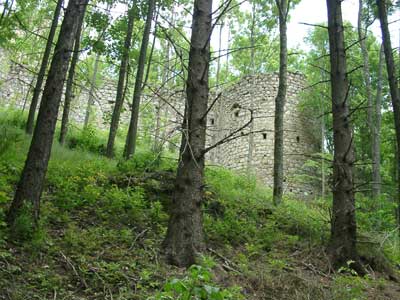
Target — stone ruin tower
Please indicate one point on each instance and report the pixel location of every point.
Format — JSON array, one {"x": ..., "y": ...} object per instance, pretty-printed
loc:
[{"x": 253, "y": 153}]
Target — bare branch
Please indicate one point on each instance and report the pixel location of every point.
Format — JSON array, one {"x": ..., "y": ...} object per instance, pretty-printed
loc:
[
  {"x": 232, "y": 135},
  {"x": 211, "y": 106},
  {"x": 315, "y": 25}
]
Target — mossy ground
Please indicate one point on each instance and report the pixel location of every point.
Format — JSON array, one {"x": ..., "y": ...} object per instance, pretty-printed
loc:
[{"x": 103, "y": 222}]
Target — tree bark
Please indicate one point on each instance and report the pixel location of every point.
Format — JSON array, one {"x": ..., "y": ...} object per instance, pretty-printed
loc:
[
  {"x": 252, "y": 72},
  {"x": 376, "y": 153},
  {"x": 32, "y": 178},
  {"x": 362, "y": 35},
  {"x": 119, "y": 100},
  {"x": 42, "y": 71},
  {"x": 150, "y": 60},
  {"x": 70, "y": 82},
  {"x": 342, "y": 245},
  {"x": 393, "y": 84},
  {"x": 158, "y": 140},
  {"x": 280, "y": 103},
  {"x": 184, "y": 237},
  {"x": 91, "y": 91},
  {"x": 130, "y": 144}
]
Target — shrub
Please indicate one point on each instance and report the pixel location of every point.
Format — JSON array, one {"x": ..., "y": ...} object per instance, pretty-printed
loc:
[
  {"x": 197, "y": 284},
  {"x": 309, "y": 221},
  {"x": 24, "y": 227},
  {"x": 88, "y": 140},
  {"x": 146, "y": 161},
  {"x": 8, "y": 138},
  {"x": 236, "y": 207},
  {"x": 12, "y": 118}
]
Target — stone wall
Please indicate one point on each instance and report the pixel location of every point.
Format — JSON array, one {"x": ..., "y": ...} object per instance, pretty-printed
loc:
[
  {"x": 247, "y": 154},
  {"x": 253, "y": 153}
]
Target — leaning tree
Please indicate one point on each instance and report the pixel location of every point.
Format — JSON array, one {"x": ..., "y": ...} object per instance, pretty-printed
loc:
[{"x": 32, "y": 178}]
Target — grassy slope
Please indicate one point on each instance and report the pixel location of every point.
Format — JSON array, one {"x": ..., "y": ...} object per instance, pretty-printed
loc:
[{"x": 103, "y": 223}]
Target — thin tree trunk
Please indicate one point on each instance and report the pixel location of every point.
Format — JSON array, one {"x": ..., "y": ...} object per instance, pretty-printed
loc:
[
  {"x": 130, "y": 145},
  {"x": 217, "y": 111},
  {"x": 157, "y": 136},
  {"x": 221, "y": 27},
  {"x": 32, "y": 178},
  {"x": 323, "y": 192},
  {"x": 27, "y": 94},
  {"x": 42, "y": 71},
  {"x": 119, "y": 100},
  {"x": 70, "y": 82},
  {"x": 362, "y": 35},
  {"x": 166, "y": 78},
  {"x": 280, "y": 103},
  {"x": 227, "y": 47},
  {"x": 5, "y": 8},
  {"x": 376, "y": 166},
  {"x": 393, "y": 84},
  {"x": 184, "y": 238},
  {"x": 342, "y": 245},
  {"x": 150, "y": 60},
  {"x": 252, "y": 72},
  {"x": 90, "y": 101}
]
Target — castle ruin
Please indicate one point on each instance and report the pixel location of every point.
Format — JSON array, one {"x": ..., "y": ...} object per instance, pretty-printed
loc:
[{"x": 250, "y": 152}]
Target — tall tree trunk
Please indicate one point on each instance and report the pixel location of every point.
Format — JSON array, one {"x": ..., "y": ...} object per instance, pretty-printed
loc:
[
  {"x": 227, "y": 46},
  {"x": 217, "y": 111},
  {"x": 323, "y": 175},
  {"x": 90, "y": 101},
  {"x": 5, "y": 8},
  {"x": 362, "y": 36},
  {"x": 42, "y": 71},
  {"x": 393, "y": 84},
  {"x": 150, "y": 60},
  {"x": 217, "y": 82},
  {"x": 123, "y": 70},
  {"x": 169, "y": 70},
  {"x": 252, "y": 72},
  {"x": 376, "y": 153},
  {"x": 130, "y": 145},
  {"x": 158, "y": 140},
  {"x": 27, "y": 94},
  {"x": 342, "y": 246},
  {"x": 70, "y": 82},
  {"x": 32, "y": 178},
  {"x": 280, "y": 100},
  {"x": 185, "y": 229}
]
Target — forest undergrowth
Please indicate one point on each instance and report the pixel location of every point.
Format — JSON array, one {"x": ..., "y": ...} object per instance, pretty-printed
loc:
[{"x": 103, "y": 222}]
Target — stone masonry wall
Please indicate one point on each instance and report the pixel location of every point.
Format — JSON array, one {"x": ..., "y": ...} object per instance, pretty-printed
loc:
[
  {"x": 254, "y": 152},
  {"x": 248, "y": 154}
]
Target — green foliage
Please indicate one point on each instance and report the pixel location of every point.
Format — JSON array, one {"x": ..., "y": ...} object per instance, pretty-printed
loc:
[
  {"x": 309, "y": 221},
  {"x": 102, "y": 223},
  {"x": 197, "y": 285},
  {"x": 145, "y": 161},
  {"x": 24, "y": 226},
  {"x": 86, "y": 139},
  {"x": 375, "y": 214},
  {"x": 8, "y": 137},
  {"x": 350, "y": 287},
  {"x": 12, "y": 119},
  {"x": 234, "y": 205}
]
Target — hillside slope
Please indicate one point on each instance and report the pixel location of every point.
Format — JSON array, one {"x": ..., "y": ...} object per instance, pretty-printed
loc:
[{"x": 103, "y": 222}]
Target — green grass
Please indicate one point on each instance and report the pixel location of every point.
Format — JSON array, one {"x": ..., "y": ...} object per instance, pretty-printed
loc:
[{"x": 103, "y": 222}]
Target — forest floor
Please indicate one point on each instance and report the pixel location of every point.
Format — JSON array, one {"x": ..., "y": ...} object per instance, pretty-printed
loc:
[{"x": 103, "y": 222}]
